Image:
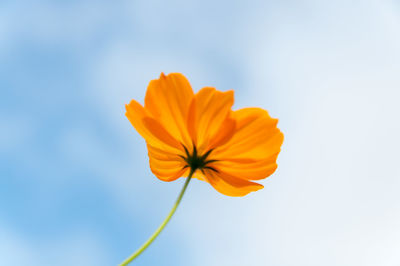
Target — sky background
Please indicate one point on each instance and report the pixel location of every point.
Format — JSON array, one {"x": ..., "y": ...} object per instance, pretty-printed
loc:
[{"x": 75, "y": 185}]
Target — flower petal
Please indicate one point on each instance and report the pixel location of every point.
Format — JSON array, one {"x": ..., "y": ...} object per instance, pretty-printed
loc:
[
  {"x": 249, "y": 169},
  {"x": 166, "y": 166},
  {"x": 208, "y": 112},
  {"x": 252, "y": 151},
  {"x": 230, "y": 185},
  {"x": 167, "y": 101},
  {"x": 160, "y": 132},
  {"x": 256, "y": 136},
  {"x": 225, "y": 133},
  {"x": 151, "y": 131},
  {"x": 197, "y": 174}
]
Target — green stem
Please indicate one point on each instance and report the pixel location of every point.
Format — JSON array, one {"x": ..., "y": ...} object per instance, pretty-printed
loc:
[{"x": 161, "y": 227}]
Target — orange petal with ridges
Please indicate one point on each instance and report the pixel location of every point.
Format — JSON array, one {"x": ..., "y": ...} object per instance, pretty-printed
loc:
[
  {"x": 136, "y": 114},
  {"x": 167, "y": 101},
  {"x": 252, "y": 151},
  {"x": 230, "y": 185},
  {"x": 208, "y": 111},
  {"x": 166, "y": 166},
  {"x": 256, "y": 136},
  {"x": 248, "y": 169},
  {"x": 160, "y": 132},
  {"x": 224, "y": 134}
]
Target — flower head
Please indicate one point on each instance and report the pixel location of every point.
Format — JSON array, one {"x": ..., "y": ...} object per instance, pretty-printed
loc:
[{"x": 200, "y": 133}]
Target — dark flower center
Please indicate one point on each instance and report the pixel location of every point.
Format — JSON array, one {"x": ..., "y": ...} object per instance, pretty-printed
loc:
[{"x": 196, "y": 161}]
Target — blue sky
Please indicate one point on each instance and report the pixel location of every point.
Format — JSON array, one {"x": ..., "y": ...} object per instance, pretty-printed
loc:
[{"x": 76, "y": 188}]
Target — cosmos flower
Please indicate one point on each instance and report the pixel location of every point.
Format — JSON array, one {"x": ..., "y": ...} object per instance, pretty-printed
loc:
[{"x": 201, "y": 136}]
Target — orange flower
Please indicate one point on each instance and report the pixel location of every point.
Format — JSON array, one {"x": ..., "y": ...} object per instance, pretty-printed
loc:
[{"x": 200, "y": 133}]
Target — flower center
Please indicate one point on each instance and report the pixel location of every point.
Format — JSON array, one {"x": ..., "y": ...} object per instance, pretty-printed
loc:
[{"x": 196, "y": 161}]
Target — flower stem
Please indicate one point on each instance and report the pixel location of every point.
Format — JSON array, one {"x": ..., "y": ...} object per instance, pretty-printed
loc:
[{"x": 161, "y": 227}]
